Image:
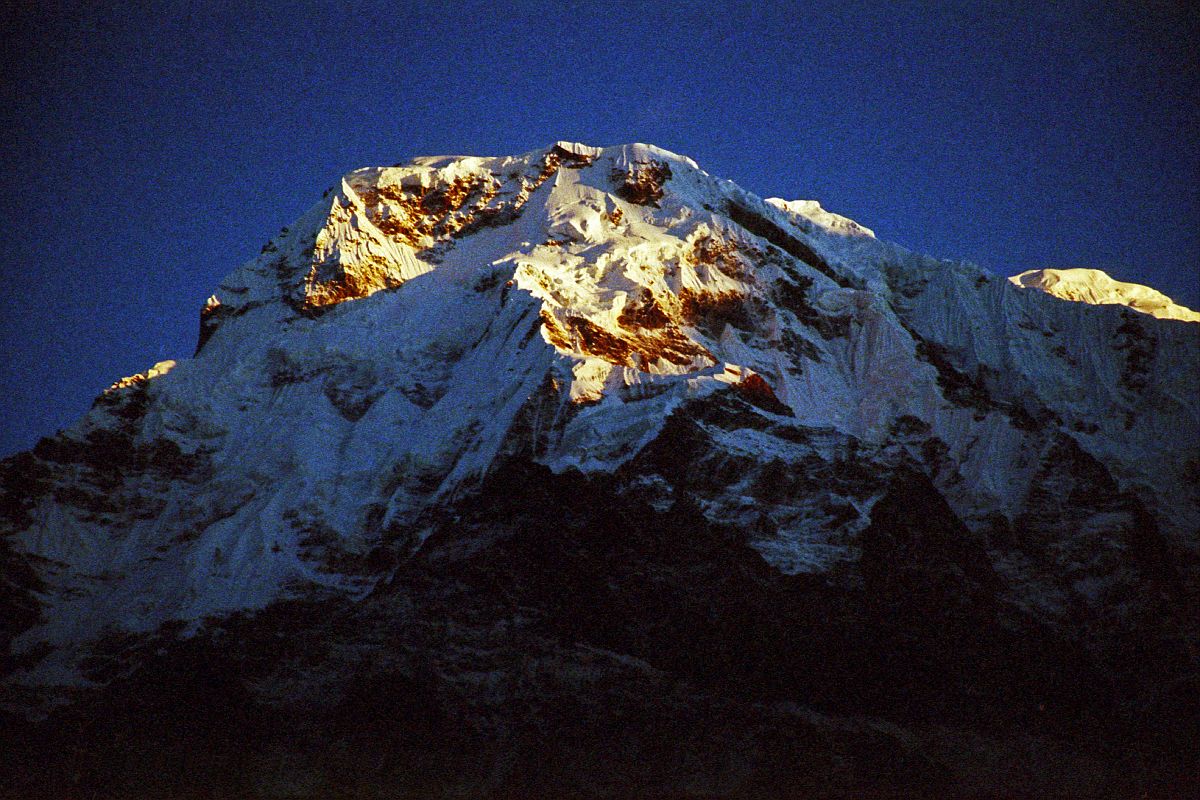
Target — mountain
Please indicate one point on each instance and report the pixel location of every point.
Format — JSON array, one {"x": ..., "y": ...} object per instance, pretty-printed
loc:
[
  {"x": 587, "y": 473},
  {"x": 1095, "y": 286}
]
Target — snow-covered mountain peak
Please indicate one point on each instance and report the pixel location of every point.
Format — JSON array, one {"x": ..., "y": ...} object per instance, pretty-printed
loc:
[
  {"x": 484, "y": 446},
  {"x": 610, "y": 311},
  {"x": 1098, "y": 288},
  {"x": 811, "y": 210}
]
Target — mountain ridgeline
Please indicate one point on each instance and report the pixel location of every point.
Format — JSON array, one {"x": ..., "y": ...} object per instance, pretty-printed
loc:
[{"x": 586, "y": 473}]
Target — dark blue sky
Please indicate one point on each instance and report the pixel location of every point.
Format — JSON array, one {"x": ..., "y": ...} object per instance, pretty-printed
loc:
[{"x": 150, "y": 149}]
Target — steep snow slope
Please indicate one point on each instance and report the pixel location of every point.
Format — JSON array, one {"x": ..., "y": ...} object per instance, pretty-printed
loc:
[
  {"x": 616, "y": 311},
  {"x": 1096, "y": 287}
]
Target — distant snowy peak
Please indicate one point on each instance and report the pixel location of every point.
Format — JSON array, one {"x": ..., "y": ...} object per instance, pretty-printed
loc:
[
  {"x": 1098, "y": 288},
  {"x": 811, "y": 210}
]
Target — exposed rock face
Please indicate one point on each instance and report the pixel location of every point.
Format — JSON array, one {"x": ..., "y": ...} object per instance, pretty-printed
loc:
[{"x": 585, "y": 473}]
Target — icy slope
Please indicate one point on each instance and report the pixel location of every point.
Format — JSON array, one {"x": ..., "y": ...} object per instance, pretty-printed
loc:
[
  {"x": 620, "y": 312},
  {"x": 1096, "y": 287}
]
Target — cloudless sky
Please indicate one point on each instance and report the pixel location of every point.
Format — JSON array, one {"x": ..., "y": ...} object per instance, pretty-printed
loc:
[{"x": 151, "y": 148}]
